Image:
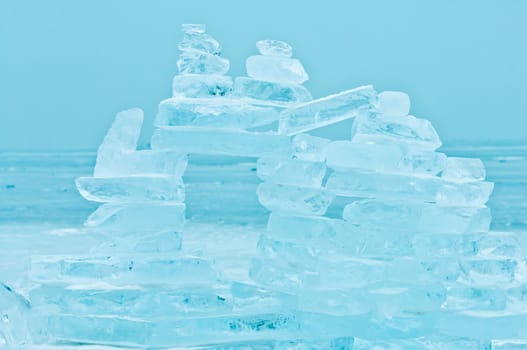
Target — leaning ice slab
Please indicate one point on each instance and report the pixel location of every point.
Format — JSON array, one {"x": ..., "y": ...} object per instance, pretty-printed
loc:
[
  {"x": 325, "y": 111},
  {"x": 219, "y": 141},
  {"x": 280, "y": 93},
  {"x": 409, "y": 130}
]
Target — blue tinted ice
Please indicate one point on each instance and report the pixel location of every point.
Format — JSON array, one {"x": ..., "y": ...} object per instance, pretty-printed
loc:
[{"x": 239, "y": 227}]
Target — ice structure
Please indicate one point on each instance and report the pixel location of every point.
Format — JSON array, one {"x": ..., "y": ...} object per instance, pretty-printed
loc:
[{"x": 374, "y": 242}]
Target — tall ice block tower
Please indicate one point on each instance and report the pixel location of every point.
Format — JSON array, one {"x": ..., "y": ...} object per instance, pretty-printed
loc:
[{"x": 239, "y": 229}]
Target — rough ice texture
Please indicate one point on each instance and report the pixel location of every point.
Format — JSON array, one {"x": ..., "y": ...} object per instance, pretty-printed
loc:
[
  {"x": 379, "y": 128},
  {"x": 201, "y": 85},
  {"x": 219, "y": 141},
  {"x": 393, "y": 103},
  {"x": 219, "y": 113},
  {"x": 281, "y": 93},
  {"x": 326, "y": 111},
  {"x": 385, "y": 158},
  {"x": 274, "y": 48},
  {"x": 276, "y": 69}
]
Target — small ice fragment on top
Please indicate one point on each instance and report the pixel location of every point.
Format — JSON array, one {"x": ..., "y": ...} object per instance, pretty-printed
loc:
[
  {"x": 274, "y": 48},
  {"x": 191, "y": 28},
  {"x": 394, "y": 103}
]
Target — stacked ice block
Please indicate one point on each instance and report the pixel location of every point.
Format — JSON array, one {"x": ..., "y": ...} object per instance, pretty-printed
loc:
[
  {"x": 388, "y": 233},
  {"x": 377, "y": 241}
]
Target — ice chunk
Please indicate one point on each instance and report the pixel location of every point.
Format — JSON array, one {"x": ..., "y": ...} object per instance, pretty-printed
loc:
[
  {"x": 325, "y": 111},
  {"x": 122, "y": 137},
  {"x": 423, "y": 217},
  {"x": 117, "y": 155},
  {"x": 269, "y": 91},
  {"x": 138, "y": 217},
  {"x": 376, "y": 128},
  {"x": 393, "y": 103},
  {"x": 123, "y": 270},
  {"x": 193, "y": 28},
  {"x": 274, "y": 48},
  {"x": 131, "y": 188},
  {"x": 124, "y": 132},
  {"x": 224, "y": 113},
  {"x": 199, "y": 41},
  {"x": 294, "y": 199},
  {"x": 307, "y": 147},
  {"x": 355, "y": 183},
  {"x": 144, "y": 162},
  {"x": 220, "y": 141},
  {"x": 291, "y": 171},
  {"x": 199, "y": 62},
  {"x": 276, "y": 69},
  {"x": 201, "y": 85},
  {"x": 464, "y": 169},
  {"x": 343, "y": 155}
]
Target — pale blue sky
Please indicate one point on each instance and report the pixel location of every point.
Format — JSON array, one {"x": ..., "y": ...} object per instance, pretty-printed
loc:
[{"x": 66, "y": 67}]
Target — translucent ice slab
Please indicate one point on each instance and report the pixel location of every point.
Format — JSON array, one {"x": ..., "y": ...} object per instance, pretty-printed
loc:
[
  {"x": 214, "y": 113},
  {"x": 342, "y": 155},
  {"x": 354, "y": 183},
  {"x": 325, "y": 111},
  {"x": 132, "y": 301},
  {"x": 398, "y": 216},
  {"x": 123, "y": 270},
  {"x": 220, "y": 141},
  {"x": 131, "y": 188}
]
